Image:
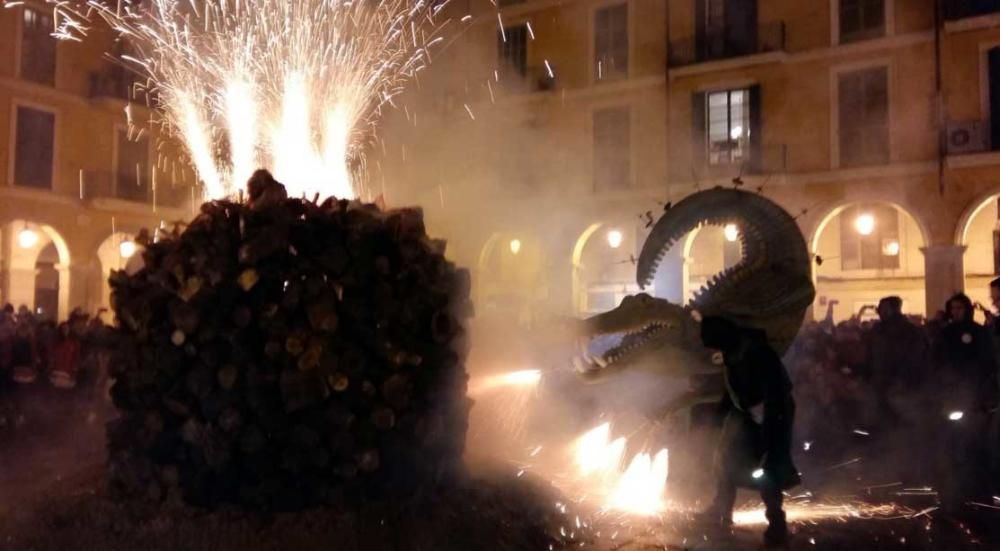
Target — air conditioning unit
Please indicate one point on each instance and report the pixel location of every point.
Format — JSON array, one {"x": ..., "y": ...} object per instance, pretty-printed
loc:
[{"x": 967, "y": 137}]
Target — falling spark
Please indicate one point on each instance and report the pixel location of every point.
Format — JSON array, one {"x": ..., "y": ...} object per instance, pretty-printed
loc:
[
  {"x": 296, "y": 85},
  {"x": 548, "y": 68},
  {"x": 531, "y": 32}
]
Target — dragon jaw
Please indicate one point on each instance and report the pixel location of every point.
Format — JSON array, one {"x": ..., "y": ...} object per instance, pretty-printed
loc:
[{"x": 770, "y": 288}]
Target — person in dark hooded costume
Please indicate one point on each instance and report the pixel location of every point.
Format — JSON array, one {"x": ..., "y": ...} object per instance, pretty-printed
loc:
[{"x": 755, "y": 447}]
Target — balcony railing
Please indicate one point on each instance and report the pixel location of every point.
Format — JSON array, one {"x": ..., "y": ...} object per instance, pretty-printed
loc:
[
  {"x": 726, "y": 44},
  {"x": 766, "y": 159},
  {"x": 105, "y": 184},
  {"x": 960, "y": 9},
  {"x": 113, "y": 82},
  {"x": 537, "y": 78}
]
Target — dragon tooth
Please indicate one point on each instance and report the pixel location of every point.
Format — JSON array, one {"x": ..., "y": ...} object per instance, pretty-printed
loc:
[{"x": 601, "y": 361}]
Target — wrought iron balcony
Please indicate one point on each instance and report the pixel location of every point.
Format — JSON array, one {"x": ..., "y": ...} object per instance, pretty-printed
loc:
[
  {"x": 113, "y": 82},
  {"x": 106, "y": 184},
  {"x": 726, "y": 44},
  {"x": 536, "y": 78}
]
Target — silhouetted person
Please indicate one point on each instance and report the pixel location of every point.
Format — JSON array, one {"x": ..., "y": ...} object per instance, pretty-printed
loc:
[
  {"x": 899, "y": 356},
  {"x": 965, "y": 392},
  {"x": 755, "y": 447},
  {"x": 967, "y": 366}
]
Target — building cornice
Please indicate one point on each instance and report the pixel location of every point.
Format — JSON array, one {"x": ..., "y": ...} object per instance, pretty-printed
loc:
[
  {"x": 854, "y": 48},
  {"x": 895, "y": 170},
  {"x": 989, "y": 158},
  {"x": 980, "y": 22},
  {"x": 591, "y": 92},
  {"x": 139, "y": 209}
]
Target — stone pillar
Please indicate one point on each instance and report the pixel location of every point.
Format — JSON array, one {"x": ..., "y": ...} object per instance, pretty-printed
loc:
[
  {"x": 671, "y": 276},
  {"x": 944, "y": 274}
]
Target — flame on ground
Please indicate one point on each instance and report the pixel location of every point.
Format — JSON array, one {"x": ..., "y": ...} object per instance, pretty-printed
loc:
[{"x": 639, "y": 489}]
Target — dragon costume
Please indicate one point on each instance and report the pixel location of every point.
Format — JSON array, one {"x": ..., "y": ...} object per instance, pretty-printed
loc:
[{"x": 769, "y": 289}]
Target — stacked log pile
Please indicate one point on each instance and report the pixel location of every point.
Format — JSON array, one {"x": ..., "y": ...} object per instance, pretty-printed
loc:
[{"x": 281, "y": 354}]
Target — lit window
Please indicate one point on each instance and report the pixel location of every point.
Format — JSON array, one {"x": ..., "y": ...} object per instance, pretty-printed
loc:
[
  {"x": 875, "y": 248},
  {"x": 728, "y": 126}
]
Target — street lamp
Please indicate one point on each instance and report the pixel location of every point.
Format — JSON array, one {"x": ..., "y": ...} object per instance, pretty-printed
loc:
[
  {"x": 731, "y": 232},
  {"x": 515, "y": 246},
  {"x": 27, "y": 238},
  {"x": 126, "y": 248},
  {"x": 891, "y": 248},
  {"x": 615, "y": 239},
  {"x": 865, "y": 224}
]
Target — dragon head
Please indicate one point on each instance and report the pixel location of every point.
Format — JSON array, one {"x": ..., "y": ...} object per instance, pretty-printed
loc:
[{"x": 770, "y": 289}]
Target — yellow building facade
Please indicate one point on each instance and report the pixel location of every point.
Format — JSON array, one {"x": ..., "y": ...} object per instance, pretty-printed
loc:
[
  {"x": 78, "y": 179},
  {"x": 557, "y": 124}
]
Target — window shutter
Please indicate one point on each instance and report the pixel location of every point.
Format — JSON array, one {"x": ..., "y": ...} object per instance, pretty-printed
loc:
[
  {"x": 756, "y": 138},
  {"x": 698, "y": 129}
]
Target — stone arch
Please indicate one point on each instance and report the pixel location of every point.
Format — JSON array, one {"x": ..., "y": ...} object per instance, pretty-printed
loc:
[
  {"x": 23, "y": 243},
  {"x": 856, "y": 268},
  {"x": 603, "y": 271},
  {"x": 112, "y": 254},
  {"x": 975, "y": 232},
  {"x": 511, "y": 280}
]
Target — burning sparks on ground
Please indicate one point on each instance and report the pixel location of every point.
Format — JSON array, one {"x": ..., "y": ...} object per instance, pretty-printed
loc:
[
  {"x": 815, "y": 512},
  {"x": 638, "y": 490},
  {"x": 296, "y": 85}
]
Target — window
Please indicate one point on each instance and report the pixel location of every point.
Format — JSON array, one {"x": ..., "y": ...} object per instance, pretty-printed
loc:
[
  {"x": 512, "y": 45},
  {"x": 34, "y": 148},
  {"x": 861, "y": 20},
  {"x": 612, "y": 149},
  {"x": 728, "y": 126},
  {"x": 611, "y": 43},
  {"x": 38, "y": 48},
  {"x": 993, "y": 77},
  {"x": 132, "y": 173},
  {"x": 879, "y": 249},
  {"x": 863, "y": 102}
]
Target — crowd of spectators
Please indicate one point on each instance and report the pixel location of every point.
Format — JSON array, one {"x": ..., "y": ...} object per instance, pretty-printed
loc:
[
  {"x": 47, "y": 364},
  {"x": 895, "y": 380}
]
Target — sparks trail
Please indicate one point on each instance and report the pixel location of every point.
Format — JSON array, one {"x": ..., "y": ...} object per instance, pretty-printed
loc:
[{"x": 297, "y": 85}]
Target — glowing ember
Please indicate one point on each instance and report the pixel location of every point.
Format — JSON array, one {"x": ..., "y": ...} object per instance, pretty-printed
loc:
[
  {"x": 296, "y": 85},
  {"x": 638, "y": 490},
  {"x": 524, "y": 378}
]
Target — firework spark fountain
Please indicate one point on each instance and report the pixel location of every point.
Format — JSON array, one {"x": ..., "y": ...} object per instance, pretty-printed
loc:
[
  {"x": 296, "y": 85},
  {"x": 639, "y": 489}
]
